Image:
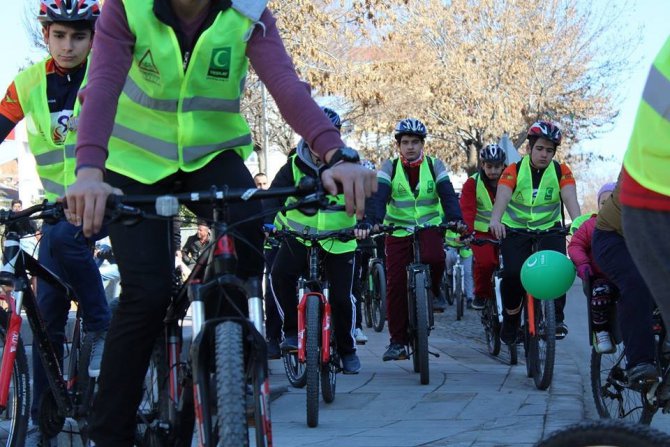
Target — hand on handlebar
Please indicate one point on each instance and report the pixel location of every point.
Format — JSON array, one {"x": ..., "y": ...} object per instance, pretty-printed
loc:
[
  {"x": 362, "y": 230},
  {"x": 357, "y": 183},
  {"x": 86, "y": 200},
  {"x": 458, "y": 226},
  {"x": 497, "y": 229}
]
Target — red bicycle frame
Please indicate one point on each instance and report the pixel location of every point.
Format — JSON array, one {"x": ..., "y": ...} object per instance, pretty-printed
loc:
[
  {"x": 9, "y": 354},
  {"x": 325, "y": 327}
]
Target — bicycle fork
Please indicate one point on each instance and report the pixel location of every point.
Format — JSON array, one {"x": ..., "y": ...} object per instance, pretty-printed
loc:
[
  {"x": 13, "y": 300},
  {"x": 325, "y": 326}
]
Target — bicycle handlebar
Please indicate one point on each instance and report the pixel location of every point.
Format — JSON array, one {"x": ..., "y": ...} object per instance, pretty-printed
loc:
[
  {"x": 547, "y": 232},
  {"x": 342, "y": 235},
  {"x": 47, "y": 210},
  {"x": 482, "y": 241}
]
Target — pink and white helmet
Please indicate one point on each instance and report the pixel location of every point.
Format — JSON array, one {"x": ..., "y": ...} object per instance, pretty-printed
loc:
[{"x": 68, "y": 11}]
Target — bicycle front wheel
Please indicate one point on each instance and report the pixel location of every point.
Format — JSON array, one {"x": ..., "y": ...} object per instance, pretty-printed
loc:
[
  {"x": 231, "y": 385},
  {"x": 313, "y": 361},
  {"x": 421, "y": 336},
  {"x": 329, "y": 374},
  {"x": 543, "y": 344},
  {"x": 491, "y": 327},
  {"x": 609, "y": 433},
  {"x": 445, "y": 289},
  {"x": 458, "y": 294},
  {"x": 613, "y": 398},
  {"x": 378, "y": 293},
  {"x": 14, "y": 419}
]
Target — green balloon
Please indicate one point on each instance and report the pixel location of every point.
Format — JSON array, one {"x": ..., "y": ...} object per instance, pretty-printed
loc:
[{"x": 547, "y": 274}]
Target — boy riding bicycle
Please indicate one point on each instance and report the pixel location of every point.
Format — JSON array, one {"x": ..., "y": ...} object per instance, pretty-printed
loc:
[
  {"x": 45, "y": 94},
  {"x": 530, "y": 196},
  {"x": 412, "y": 189},
  {"x": 477, "y": 198}
]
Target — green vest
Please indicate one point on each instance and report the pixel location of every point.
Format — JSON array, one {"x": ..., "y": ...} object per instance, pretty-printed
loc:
[
  {"x": 169, "y": 119},
  {"x": 321, "y": 222},
  {"x": 647, "y": 159},
  {"x": 540, "y": 213},
  {"x": 484, "y": 205},
  {"x": 409, "y": 208},
  {"x": 55, "y": 162},
  {"x": 451, "y": 238}
]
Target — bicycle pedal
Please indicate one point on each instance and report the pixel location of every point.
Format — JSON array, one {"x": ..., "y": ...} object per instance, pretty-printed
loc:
[{"x": 435, "y": 354}]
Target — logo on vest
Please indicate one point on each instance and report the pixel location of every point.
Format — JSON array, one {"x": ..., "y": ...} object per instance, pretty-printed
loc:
[
  {"x": 431, "y": 187},
  {"x": 148, "y": 67},
  {"x": 549, "y": 193},
  {"x": 518, "y": 196},
  {"x": 401, "y": 190},
  {"x": 219, "y": 63}
]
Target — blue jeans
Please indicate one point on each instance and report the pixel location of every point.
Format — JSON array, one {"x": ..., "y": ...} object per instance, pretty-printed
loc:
[{"x": 64, "y": 250}]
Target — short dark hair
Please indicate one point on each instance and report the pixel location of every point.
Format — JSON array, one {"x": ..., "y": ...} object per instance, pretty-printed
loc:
[
  {"x": 15, "y": 201},
  {"x": 77, "y": 25},
  {"x": 202, "y": 222},
  {"x": 259, "y": 174}
]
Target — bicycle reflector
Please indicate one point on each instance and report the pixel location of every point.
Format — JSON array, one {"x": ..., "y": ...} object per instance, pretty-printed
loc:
[{"x": 547, "y": 274}]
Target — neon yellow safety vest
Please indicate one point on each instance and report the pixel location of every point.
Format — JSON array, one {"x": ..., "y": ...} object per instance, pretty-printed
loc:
[
  {"x": 540, "y": 213},
  {"x": 321, "y": 222},
  {"x": 171, "y": 119},
  {"x": 647, "y": 159},
  {"x": 55, "y": 162},
  {"x": 452, "y": 239},
  {"x": 484, "y": 205},
  {"x": 409, "y": 208}
]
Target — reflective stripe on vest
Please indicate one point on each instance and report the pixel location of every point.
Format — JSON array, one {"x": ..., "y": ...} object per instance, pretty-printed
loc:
[
  {"x": 169, "y": 119},
  {"x": 541, "y": 212},
  {"x": 322, "y": 221},
  {"x": 405, "y": 209},
  {"x": 647, "y": 159},
  {"x": 484, "y": 205},
  {"x": 55, "y": 162}
]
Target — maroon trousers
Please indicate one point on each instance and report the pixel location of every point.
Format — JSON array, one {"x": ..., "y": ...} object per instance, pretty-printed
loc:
[
  {"x": 399, "y": 254},
  {"x": 486, "y": 261}
]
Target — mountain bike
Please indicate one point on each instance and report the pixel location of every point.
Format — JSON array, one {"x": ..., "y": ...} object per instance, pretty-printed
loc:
[
  {"x": 456, "y": 286},
  {"x": 600, "y": 433},
  {"x": 420, "y": 308},
  {"x": 373, "y": 291},
  {"x": 539, "y": 324},
  {"x": 224, "y": 380},
  {"x": 615, "y": 396},
  {"x": 317, "y": 346},
  {"x": 70, "y": 390},
  {"x": 492, "y": 313}
]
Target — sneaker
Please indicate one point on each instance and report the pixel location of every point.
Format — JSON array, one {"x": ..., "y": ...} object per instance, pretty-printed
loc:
[
  {"x": 602, "y": 342},
  {"x": 274, "y": 352},
  {"x": 509, "y": 330},
  {"x": 561, "y": 330},
  {"x": 97, "y": 347},
  {"x": 395, "y": 351},
  {"x": 439, "y": 303},
  {"x": 289, "y": 344},
  {"x": 360, "y": 336},
  {"x": 468, "y": 303},
  {"x": 478, "y": 303},
  {"x": 350, "y": 363},
  {"x": 641, "y": 374}
]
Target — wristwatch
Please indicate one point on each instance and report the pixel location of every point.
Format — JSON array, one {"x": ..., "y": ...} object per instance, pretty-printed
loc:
[{"x": 344, "y": 154}]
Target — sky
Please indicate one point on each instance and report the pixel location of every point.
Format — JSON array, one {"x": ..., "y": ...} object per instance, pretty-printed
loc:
[{"x": 654, "y": 15}]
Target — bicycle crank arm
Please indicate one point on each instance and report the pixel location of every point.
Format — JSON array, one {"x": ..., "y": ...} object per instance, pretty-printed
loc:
[{"x": 433, "y": 353}]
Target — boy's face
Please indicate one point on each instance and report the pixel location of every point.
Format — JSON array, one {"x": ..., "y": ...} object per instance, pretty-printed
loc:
[
  {"x": 410, "y": 147},
  {"x": 603, "y": 198},
  {"x": 542, "y": 153},
  {"x": 493, "y": 170},
  {"x": 68, "y": 46}
]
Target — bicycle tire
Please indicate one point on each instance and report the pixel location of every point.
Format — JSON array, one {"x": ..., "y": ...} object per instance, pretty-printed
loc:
[
  {"x": 543, "y": 344},
  {"x": 155, "y": 400},
  {"x": 230, "y": 385},
  {"x": 604, "y": 432},
  {"x": 313, "y": 361},
  {"x": 14, "y": 420},
  {"x": 378, "y": 293},
  {"x": 613, "y": 399},
  {"x": 458, "y": 295},
  {"x": 513, "y": 354},
  {"x": 261, "y": 418},
  {"x": 295, "y": 371},
  {"x": 491, "y": 327},
  {"x": 367, "y": 303},
  {"x": 329, "y": 374},
  {"x": 421, "y": 338},
  {"x": 444, "y": 288},
  {"x": 526, "y": 351}
]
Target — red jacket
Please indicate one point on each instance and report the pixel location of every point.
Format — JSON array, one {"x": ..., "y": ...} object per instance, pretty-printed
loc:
[
  {"x": 469, "y": 200},
  {"x": 579, "y": 249}
]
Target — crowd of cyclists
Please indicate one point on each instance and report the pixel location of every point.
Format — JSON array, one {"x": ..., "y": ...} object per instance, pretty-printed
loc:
[{"x": 133, "y": 112}]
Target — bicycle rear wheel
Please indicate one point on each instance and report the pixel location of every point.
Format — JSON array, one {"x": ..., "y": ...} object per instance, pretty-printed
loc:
[
  {"x": 155, "y": 400},
  {"x": 14, "y": 419},
  {"x": 458, "y": 294},
  {"x": 491, "y": 327},
  {"x": 445, "y": 289},
  {"x": 231, "y": 385},
  {"x": 313, "y": 361},
  {"x": 543, "y": 343},
  {"x": 378, "y": 294},
  {"x": 613, "y": 399},
  {"x": 421, "y": 336}
]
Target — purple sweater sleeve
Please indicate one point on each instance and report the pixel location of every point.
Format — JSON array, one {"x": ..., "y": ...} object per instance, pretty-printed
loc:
[{"x": 112, "y": 58}]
